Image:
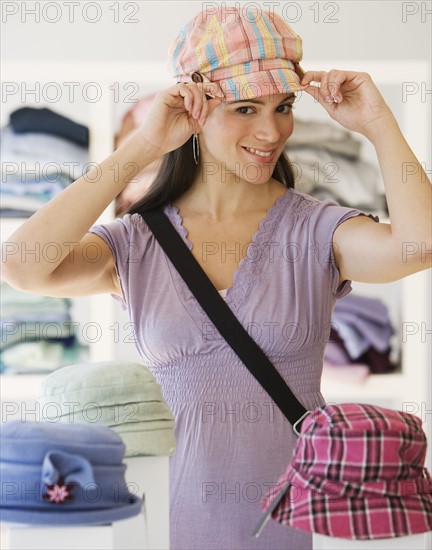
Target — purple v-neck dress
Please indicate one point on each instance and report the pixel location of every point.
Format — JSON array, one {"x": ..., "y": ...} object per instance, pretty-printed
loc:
[{"x": 232, "y": 441}]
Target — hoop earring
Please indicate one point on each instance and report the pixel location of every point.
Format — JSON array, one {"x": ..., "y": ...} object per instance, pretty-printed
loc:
[{"x": 195, "y": 147}]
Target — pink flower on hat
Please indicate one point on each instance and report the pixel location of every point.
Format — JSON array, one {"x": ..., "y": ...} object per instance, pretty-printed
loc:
[{"x": 59, "y": 492}]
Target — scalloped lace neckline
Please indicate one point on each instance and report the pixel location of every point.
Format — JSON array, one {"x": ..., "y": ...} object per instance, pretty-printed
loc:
[{"x": 246, "y": 271}]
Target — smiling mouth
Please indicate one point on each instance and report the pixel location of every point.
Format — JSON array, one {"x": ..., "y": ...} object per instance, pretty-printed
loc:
[{"x": 260, "y": 152}]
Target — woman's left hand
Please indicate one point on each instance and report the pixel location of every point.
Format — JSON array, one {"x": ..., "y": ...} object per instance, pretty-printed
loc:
[{"x": 359, "y": 105}]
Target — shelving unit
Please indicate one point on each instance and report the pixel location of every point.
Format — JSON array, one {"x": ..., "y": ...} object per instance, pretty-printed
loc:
[
  {"x": 411, "y": 387},
  {"x": 102, "y": 118},
  {"x": 99, "y": 116}
]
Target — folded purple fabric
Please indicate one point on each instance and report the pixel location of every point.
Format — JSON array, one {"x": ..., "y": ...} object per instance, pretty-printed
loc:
[{"x": 362, "y": 323}]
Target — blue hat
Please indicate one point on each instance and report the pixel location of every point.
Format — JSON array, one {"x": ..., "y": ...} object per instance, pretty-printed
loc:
[{"x": 63, "y": 474}]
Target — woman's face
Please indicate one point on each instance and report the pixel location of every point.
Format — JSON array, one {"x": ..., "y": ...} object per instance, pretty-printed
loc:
[{"x": 264, "y": 124}]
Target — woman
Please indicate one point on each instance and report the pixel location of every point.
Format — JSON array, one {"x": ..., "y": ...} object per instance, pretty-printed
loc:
[{"x": 282, "y": 258}]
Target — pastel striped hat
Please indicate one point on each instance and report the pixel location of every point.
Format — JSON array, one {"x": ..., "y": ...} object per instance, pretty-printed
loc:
[{"x": 248, "y": 52}]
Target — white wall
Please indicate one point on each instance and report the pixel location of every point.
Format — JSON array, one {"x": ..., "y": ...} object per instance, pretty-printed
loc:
[
  {"x": 139, "y": 30},
  {"x": 342, "y": 30}
]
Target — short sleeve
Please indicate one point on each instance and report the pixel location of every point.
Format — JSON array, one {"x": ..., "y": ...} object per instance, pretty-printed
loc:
[
  {"x": 326, "y": 216},
  {"x": 117, "y": 234}
]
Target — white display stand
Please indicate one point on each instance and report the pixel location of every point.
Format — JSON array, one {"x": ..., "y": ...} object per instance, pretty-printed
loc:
[
  {"x": 412, "y": 542},
  {"x": 30, "y": 537},
  {"x": 147, "y": 476}
]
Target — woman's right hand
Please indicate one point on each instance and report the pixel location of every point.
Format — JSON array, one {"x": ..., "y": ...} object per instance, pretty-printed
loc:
[{"x": 176, "y": 113}]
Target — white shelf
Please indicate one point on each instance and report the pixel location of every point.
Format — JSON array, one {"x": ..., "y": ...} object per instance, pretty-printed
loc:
[
  {"x": 410, "y": 384},
  {"x": 23, "y": 386},
  {"x": 9, "y": 225},
  {"x": 376, "y": 386}
]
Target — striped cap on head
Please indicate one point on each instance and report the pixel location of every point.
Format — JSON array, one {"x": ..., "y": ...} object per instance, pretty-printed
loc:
[{"x": 248, "y": 52}]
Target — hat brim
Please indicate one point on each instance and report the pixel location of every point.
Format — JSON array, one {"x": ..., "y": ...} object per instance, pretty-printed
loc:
[
  {"x": 263, "y": 83},
  {"x": 158, "y": 443},
  {"x": 71, "y": 517},
  {"x": 360, "y": 518}
]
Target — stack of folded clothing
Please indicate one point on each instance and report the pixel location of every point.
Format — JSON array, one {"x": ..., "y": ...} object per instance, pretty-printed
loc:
[
  {"x": 327, "y": 165},
  {"x": 359, "y": 338},
  {"x": 37, "y": 334},
  {"x": 42, "y": 152},
  {"x": 124, "y": 396}
]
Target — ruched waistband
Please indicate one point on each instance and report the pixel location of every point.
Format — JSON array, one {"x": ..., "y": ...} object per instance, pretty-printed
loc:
[{"x": 222, "y": 375}]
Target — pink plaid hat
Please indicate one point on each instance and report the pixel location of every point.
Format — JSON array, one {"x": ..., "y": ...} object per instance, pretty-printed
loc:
[
  {"x": 357, "y": 473},
  {"x": 248, "y": 52}
]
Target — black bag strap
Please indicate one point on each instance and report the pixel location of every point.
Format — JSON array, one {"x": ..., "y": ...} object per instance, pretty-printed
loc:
[{"x": 223, "y": 318}]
